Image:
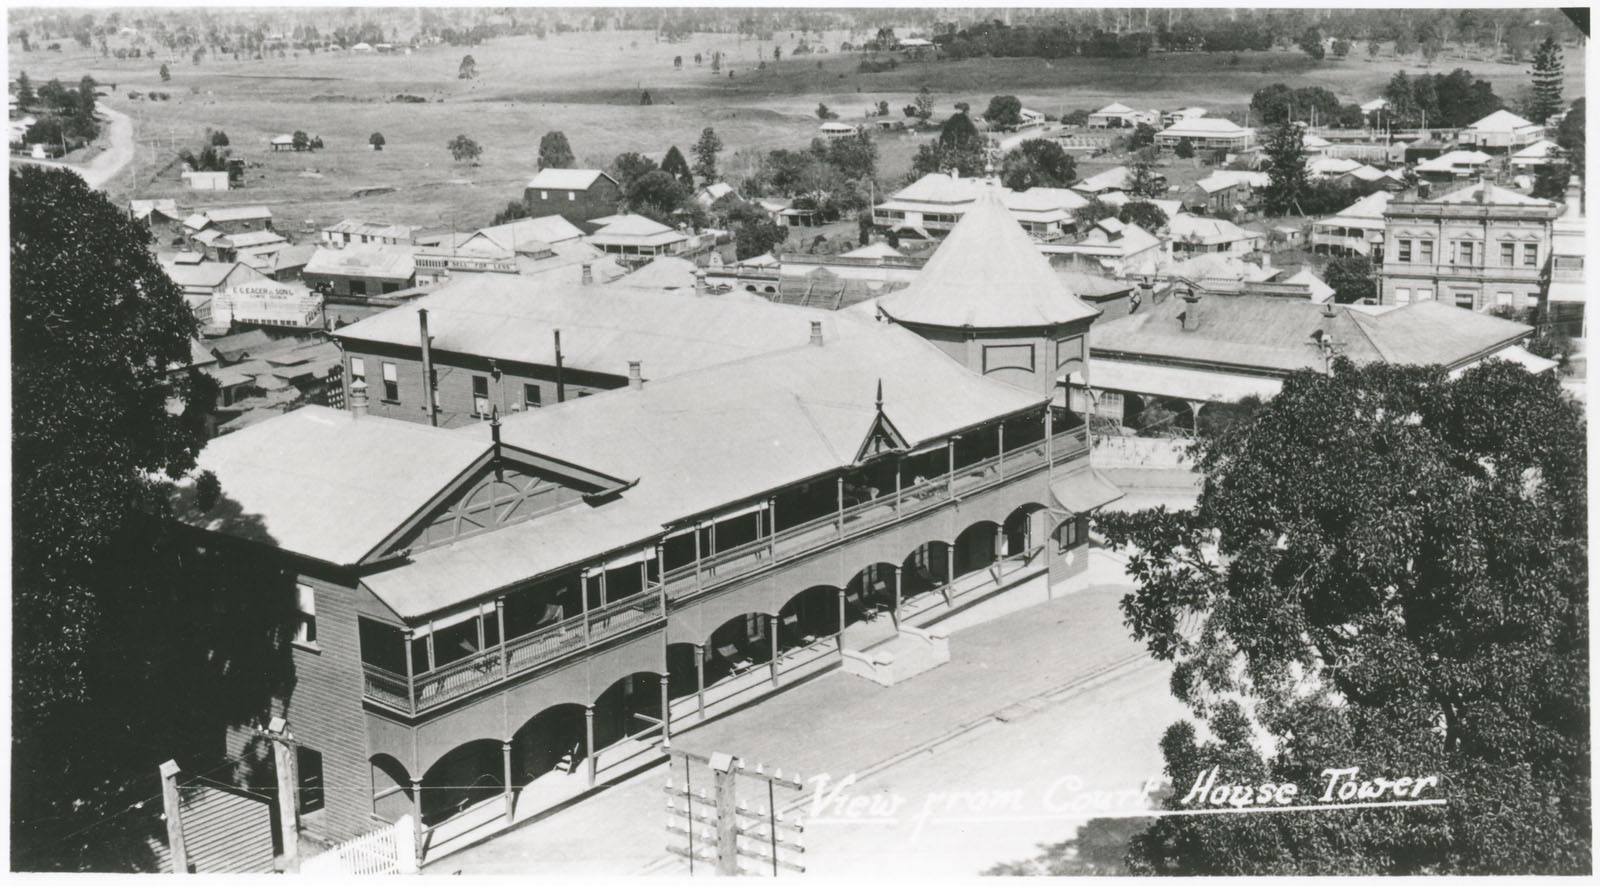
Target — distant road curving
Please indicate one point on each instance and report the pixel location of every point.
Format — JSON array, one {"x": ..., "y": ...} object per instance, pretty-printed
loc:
[{"x": 105, "y": 165}]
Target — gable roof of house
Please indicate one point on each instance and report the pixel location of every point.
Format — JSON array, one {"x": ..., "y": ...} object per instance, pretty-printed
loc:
[
  {"x": 1537, "y": 151},
  {"x": 986, "y": 273},
  {"x": 245, "y": 239},
  {"x": 568, "y": 179},
  {"x": 1116, "y": 108},
  {"x": 373, "y": 229},
  {"x": 877, "y": 249},
  {"x": 1115, "y": 178},
  {"x": 237, "y": 213},
  {"x": 143, "y": 208},
  {"x": 1368, "y": 209},
  {"x": 387, "y": 261},
  {"x": 1501, "y": 121},
  {"x": 636, "y": 230},
  {"x": 1203, "y": 127},
  {"x": 1210, "y": 231},
  {"x": 1447, "y": 162}
]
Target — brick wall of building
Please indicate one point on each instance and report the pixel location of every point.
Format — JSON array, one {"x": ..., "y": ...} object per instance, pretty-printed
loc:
[{"x": 456, "y": 372}]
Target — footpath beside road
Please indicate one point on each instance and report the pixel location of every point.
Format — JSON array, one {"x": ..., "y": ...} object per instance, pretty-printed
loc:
[{"x": 838, "y": 724}]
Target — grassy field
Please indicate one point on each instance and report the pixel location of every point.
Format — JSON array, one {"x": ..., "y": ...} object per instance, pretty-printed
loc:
[{"x": 588, "y": 85}]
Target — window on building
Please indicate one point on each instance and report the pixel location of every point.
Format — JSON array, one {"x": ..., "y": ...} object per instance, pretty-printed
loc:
[
  {"x": 1464, "y": 300},
  {"x": 1466, "y": 252},
  {"x": 358, "y": 370},
  {"x": 308, "y": 764},
  {"x": 1504, "y": 299},
  {"x": 1530, "y": 255},
  {"x": 1067, "y": 535},
  {"x": 1402, "y": 295},
  {"x": 1403, "y": 250},
  {"x": 1425, "y": 251},
  {"x": 531, "y": 397},
  {"x": 1508, "y": 254},
  {"x": 571, "y": 196},
  {"x": 391, "y": 383},
  {"x": 544, "y": 195},
  {"x": 480, "y": 395},
  {"x": 305, "y": 604},
  {"x": 1424, "y": 295}
]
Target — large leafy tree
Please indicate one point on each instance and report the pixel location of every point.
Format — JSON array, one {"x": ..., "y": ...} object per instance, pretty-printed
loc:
[
  {"x": 705, "y": 155},
  {"x": 1287, "y": 180},
  {"x": 1386, "y": 568},
  {"x": 555, "y": 152},
  {"x": 657, "y": 195},
  {"x": 629, "y": 167},
  {"x": 675, "y": 164},
  {"x": 1038, "y": 163},
  {"x": 754, "y": 231},
  {"x": 1004, "y": 110},
  {"x": 126, "y": 651},
  {"x": 1352, "y": 279},
  {"x": 960, "y": 147}
]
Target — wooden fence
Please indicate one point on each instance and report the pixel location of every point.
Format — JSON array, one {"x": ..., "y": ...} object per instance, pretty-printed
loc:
[{"x": 390, "y": 850}]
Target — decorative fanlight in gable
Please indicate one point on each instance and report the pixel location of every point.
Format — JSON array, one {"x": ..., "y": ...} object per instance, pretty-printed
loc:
[{"x": 883, "y": 438}]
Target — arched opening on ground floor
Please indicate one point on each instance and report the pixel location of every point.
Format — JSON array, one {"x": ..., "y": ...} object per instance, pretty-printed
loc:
[
  {"x": 627, "y": 708},
  {"x": 553, "y": 739},
  {"x": 737, "y": 645},
  {"x": 975, "y": 547},
  {"x": 391, "y": 788},
  {"x": 809, "y": 615},
  {"x": 869, "y": 593},
  {"x": 683, "y": 662},
  {"x": 1019, "y": 533},
  {"x": 926, "y": 569},
  {"x": 469, "y": 774}
]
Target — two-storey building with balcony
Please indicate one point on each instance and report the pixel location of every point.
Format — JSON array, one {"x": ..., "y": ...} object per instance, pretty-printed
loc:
[
  {"x": 1356, "y": 229},
  {"x": 1479, "y": 247},
  {"x": 496, "y": 618}
]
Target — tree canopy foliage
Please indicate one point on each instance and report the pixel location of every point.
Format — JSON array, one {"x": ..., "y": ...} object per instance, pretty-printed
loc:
[
  {"x": 555, "y": 152},
  {"x": 128, "y": 648},
  {"x": 1003, "y": 111},
  {"x": 960, "y": 147},
  {"x": 675, "y": 164},
  {"x": 464, "y": 149},
  {"x": 1353, "y": 279},
  {"x": 705, "y": 152},
  {"x": 1386, "y": 568},
  {"x": 1038, "y": 163}
]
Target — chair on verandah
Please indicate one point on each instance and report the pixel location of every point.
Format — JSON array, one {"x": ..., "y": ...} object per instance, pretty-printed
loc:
[{"x": 736, "y": 660}]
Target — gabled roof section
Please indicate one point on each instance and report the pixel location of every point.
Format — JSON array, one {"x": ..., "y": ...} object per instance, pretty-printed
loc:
[
  {"x": 568, "y": 179},
  {"x": 883, "y": 437},
  {"x": 323, "y": 484},
  {"x": 1501, "y": 121},
  {"x": 987, "y": 273}
]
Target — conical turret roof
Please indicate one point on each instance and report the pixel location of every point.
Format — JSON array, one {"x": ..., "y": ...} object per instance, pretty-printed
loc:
[{"x": 987, "y": 273}]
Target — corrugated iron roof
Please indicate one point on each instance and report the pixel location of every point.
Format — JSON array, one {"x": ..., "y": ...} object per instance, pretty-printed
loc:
[{"x": 986, "y": 273}]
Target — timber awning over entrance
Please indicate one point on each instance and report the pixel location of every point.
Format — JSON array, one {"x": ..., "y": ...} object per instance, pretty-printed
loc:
[{"x": 1084, "y": 491}]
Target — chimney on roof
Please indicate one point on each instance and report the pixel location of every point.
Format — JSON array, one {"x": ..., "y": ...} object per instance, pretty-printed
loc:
[
  {"x": 635, "y": 375},
  {"x": 816, "y": 332},
  {"x": 1327, "y": 310},
  {"x": 358, "y": 399},
  {"x": 1190, "y": 317},
  {"x": 699, "y": 282},
  {"x": 588, "y": 274}
]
